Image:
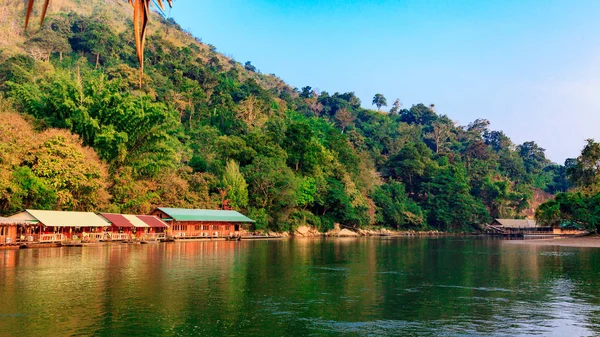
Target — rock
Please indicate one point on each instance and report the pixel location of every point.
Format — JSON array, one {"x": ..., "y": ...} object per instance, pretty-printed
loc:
[
  {"x": 347, "y": 233},
  {"x": 302, "y": 230},
  {"x": 306, "y": 231}
]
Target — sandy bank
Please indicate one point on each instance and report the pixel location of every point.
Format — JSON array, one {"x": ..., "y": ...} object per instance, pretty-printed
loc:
[{"x": 592, "y": 241}]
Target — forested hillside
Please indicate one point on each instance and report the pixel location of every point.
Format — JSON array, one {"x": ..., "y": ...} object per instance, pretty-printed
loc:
[{"x": 207, "y": 131}]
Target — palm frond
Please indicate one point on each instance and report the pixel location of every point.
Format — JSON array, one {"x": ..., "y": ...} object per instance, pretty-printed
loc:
[{"x": 141, "y": 14}]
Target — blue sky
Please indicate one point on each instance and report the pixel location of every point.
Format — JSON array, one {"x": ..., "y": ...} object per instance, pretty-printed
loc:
[{"x": 530, "y": 67}]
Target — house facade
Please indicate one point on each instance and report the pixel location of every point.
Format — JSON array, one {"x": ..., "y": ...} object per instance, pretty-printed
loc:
[
  {"x": 8, "y": 231},
  {"x": 201, "y": 223},
  {"x": 56, "y": 226},
  {"x": 517, "y": 227}
]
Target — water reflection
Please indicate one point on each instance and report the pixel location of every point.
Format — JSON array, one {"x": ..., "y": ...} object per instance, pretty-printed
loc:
[{"x": 412, "y": 286}]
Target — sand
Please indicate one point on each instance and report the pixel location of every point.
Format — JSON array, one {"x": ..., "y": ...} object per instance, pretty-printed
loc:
[{"x": 592, "y": 241}]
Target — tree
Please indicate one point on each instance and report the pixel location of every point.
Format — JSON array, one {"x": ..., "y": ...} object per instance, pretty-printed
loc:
[
  {"x": 395, "y": 209},
  {"x": 379, "y": 101},
  {"x": 95, "y": 37},
  {"x": 236, "y": 186},
  {"x": 450, "y": 205},
  {"x": 43, "y": 44},
  {"x": 576, "y": 207},
  {"x": 419, "y": 114},
  {"x": 533, "y": 157},
  {"x": 409, "y": 165},
  {"x": 585, "y": 171},
  {"x": 141, "y": 14},
  {"x": 440, "y": 131},
  {"x": 396, "y": 107},
  {"x": 344, "y": 118},
  {"x": 248, "y": 66}
]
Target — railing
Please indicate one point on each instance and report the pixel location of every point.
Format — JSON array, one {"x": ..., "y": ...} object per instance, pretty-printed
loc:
[
  {"x": 6, "y": 240},
  {"x": 197, "y": 235},
  {"x": 154, "y": 236},
  {"x": 118, "y": 237},
  {"x": 94, "y": 236},
  {"x": 28, "y": 238},
  {"x": 51, "y": 238}
]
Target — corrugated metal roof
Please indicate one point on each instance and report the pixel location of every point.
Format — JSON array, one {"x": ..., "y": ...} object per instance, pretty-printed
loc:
[
  {"x": 23, "y": 216},
  {"x": 117, "y": 220},
  {"x": 153, "y": 221},
  {"x": 516, "y": 223},
  {"x": 68, "y": 219},
  {"x": 207, "y": 215},
  {"x": 9, "y": 222},
  {"x": 135, "y": 221}
]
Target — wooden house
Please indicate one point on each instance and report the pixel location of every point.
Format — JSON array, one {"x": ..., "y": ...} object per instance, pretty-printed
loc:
[
  {"x": 202, "y": 223},
  {"x": 120, "y": 228},
  {"x": 8, "y": 231},
  {"x": 517, "y": 227},
  {"x": 56, "y": 226},
  {"x": 128, "y": 226}
]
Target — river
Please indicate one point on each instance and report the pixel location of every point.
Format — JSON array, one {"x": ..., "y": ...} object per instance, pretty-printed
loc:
[{"x": 326, "y": 287}]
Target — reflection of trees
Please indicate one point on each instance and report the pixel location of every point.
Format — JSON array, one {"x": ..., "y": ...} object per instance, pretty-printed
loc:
[{"x": 286, "y": 287}]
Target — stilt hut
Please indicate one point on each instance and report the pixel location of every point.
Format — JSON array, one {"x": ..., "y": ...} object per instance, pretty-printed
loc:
[
  {"x": 57, "y": 226},
  {"x": 158, "y": 228},
  {"x": 517, "y": 227},
  {"x": 127, "y": 226},
  {"x": 120, "y": 228},
  {"x": 202, "y": 223},
  {"x": 8, "y": 231},
  {"x": 140, "y": 228}
]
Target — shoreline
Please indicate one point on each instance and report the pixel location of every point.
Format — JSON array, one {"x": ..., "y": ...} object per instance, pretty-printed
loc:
[{"x": 591, "y": 241}]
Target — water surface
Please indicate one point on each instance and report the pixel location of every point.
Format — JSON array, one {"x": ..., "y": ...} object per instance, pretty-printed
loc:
[{"x": 329, "y": 287}]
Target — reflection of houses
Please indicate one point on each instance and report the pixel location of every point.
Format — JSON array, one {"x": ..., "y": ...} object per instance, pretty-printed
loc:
[
  {"x": 198, "y": 223},
  {"x": 514, "y": 227}
]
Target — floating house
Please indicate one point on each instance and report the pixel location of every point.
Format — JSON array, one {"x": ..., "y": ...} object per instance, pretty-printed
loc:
[
  {"x": 57, "y": 226},
  {"x": 8, "y": 231},
  {"x": 203, "y": 223},
  {"x": 127, "y": 226},
  {"x": 516, "y": 227}
]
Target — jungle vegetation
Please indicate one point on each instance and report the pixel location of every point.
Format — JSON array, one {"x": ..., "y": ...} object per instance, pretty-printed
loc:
[{"x": 77, "y": 132}]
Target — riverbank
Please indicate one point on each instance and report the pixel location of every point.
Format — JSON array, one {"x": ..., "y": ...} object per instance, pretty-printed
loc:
[
  {"x": 337, "y": 231},
  {"x": 591, "y": 241}
]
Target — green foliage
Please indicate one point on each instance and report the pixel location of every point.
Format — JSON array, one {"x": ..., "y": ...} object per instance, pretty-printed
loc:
[
  {"x": 206, "y": 129},
  {"x": 577, "y": 207},
  {"x": 395, "y": 209},
  {"x": 581, "y": 205},
  {"x": 235, "y": 186}
]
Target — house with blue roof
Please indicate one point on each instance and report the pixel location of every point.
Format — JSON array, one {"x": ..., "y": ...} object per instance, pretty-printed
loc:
[{"x": 203, "y": 223}]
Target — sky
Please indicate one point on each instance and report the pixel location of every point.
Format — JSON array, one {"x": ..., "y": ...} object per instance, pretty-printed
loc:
[{"x": 532, "y": 68}]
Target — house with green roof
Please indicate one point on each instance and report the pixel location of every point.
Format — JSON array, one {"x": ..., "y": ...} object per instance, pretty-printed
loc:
[{"x": 203, "y": 223}]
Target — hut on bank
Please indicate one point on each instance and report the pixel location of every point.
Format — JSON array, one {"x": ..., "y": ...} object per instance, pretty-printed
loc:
[
  {"x": 203, "y": 223},
  {"x": 128, "y": 226},
  {"x": 57, "y": 226},
  {"x": 8, "y": 230},
  {"x": 517, "y": 227}
]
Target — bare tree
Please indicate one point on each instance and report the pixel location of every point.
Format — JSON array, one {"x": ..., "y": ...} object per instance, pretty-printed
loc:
[{"x": 344, "y": 118}]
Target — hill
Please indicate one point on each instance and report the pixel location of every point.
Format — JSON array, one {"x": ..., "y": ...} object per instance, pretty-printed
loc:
[{"x": 207, "y": 131}]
